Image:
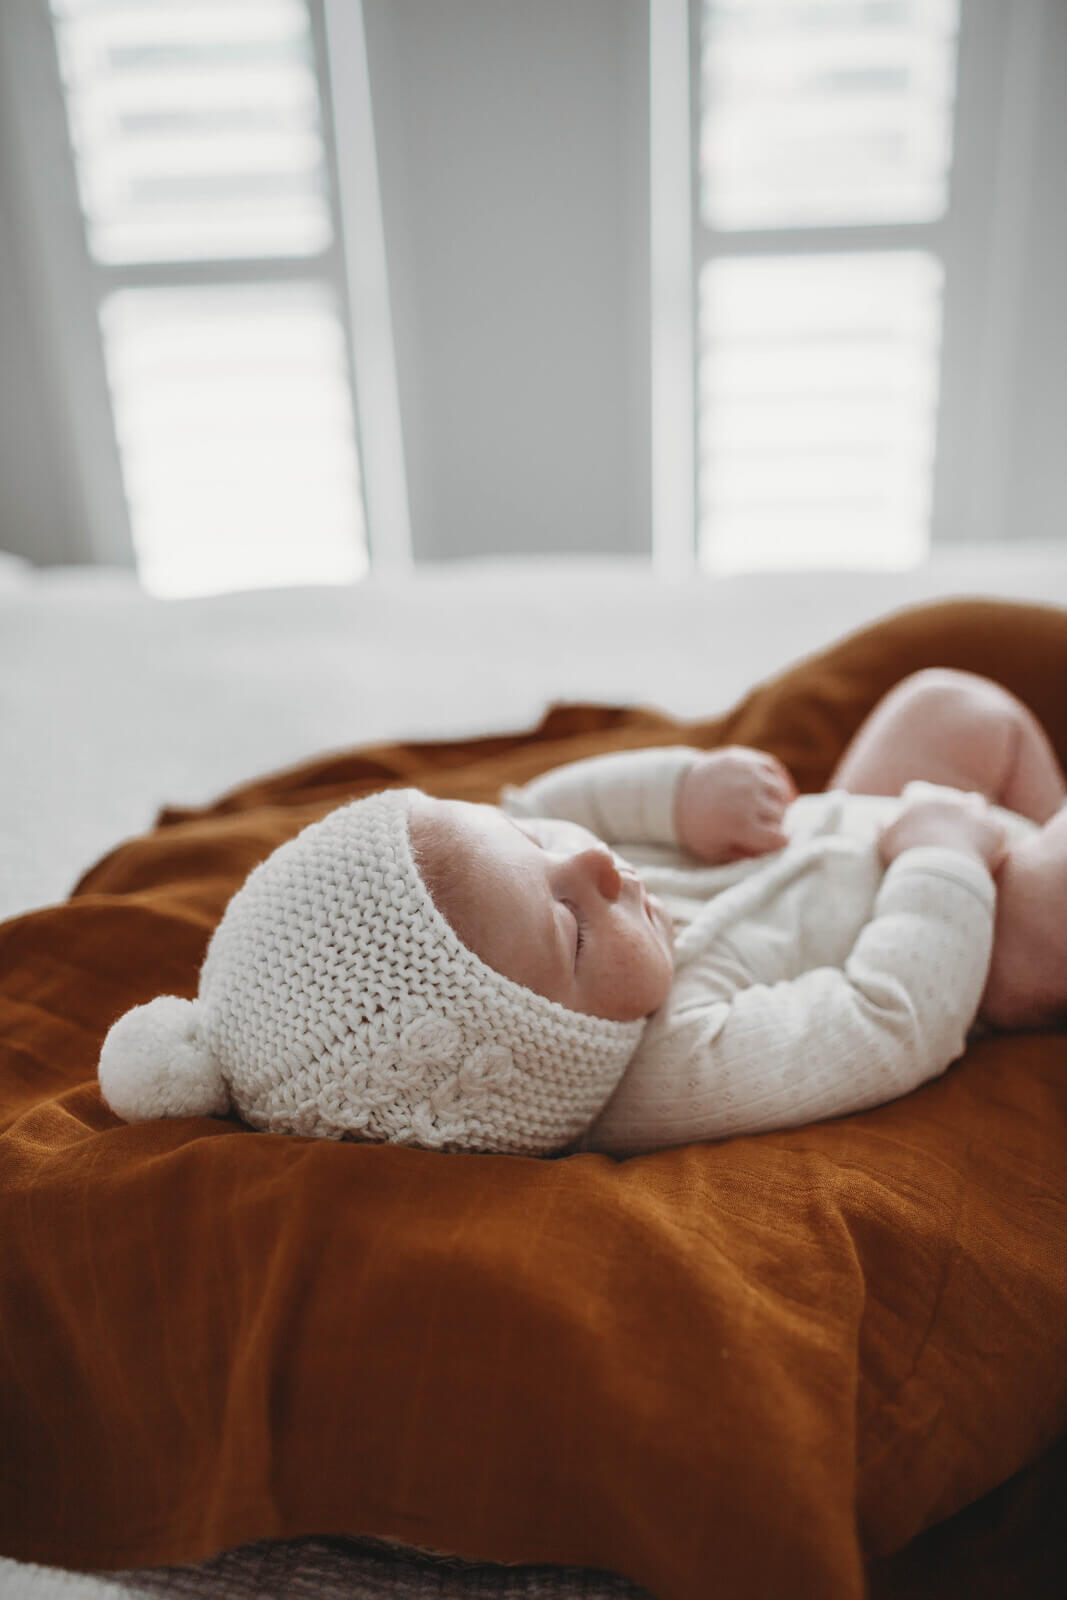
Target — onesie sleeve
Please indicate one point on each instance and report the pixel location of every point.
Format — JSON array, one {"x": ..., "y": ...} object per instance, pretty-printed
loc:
[
  {"x": 751, "y": 1057},
  {"x": 625, "y": 797}
]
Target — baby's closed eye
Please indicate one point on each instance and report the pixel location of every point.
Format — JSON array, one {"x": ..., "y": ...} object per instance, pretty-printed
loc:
[{"x": 579, "y": 923}]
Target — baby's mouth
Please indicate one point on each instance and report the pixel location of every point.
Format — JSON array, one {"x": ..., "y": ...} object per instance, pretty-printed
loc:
[{"x": 659, "y": 916}]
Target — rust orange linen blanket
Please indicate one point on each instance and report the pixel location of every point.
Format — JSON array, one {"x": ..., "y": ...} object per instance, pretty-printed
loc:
[{"x": 747, "y": 1369}]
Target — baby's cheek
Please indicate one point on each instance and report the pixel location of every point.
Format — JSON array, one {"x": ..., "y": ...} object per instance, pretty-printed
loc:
[{"x": 650, "y": 973}]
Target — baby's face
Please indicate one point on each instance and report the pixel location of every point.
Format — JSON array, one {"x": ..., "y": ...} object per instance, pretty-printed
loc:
[{"x": 547, "y": 905}]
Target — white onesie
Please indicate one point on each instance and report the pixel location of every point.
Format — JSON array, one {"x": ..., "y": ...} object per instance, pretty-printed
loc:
[{"x": 808, "y": 982}]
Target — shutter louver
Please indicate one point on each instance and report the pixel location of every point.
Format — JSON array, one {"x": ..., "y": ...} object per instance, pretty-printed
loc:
[
  {"x": 236, "y": 434},
  {"x": 195, "y": 126},
  {"x": 818, "y": 407},
  {"x": 821, "y": 112}
]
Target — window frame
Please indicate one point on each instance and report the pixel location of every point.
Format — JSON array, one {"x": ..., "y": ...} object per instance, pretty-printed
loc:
[
  {"x": 979, "y": 241},
  {"x": 73, "y": 285}
]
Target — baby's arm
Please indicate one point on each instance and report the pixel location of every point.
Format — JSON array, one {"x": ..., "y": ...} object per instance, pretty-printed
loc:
[
  {"x": 748, "y": 1057},
  {"x": 717, "y": 804}
]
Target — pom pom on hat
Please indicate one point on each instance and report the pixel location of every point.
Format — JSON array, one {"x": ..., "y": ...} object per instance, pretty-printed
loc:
[{"x": 155, "y": 1063}]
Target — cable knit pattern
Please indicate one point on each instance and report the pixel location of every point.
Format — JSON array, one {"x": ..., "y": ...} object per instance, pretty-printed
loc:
[{"x": 338, "y": 1002}]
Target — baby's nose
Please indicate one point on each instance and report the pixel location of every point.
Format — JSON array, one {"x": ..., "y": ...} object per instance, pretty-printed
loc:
[{"x": 601, "y": 869}]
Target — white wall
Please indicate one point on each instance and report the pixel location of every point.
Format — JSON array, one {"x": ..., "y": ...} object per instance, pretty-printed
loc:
[
  {"x": 38, "y": 512},
  {"x": 512, "y": 144},
  {"x": 1035, "y": 487},
  {"x": 61, "y": 494},
  {"x": 1001, "y": 470}
]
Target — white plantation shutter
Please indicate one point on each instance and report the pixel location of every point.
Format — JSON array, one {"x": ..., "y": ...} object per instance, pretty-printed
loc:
[
  {"x": 235, "y": 428},
  {"x": 826, "y": 111},
  {"x": 204, "y": 178},
  {"x": 825, "y": 151},
  {"x": 818, "y": 402},
  {"x": 195, "y": 126}
]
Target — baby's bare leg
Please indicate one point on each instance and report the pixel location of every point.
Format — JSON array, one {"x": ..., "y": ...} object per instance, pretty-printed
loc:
[
  {"x": 1027, "y": 984},
  {"x": 958, "y": 729},
  {"x": 962, "y": 730}
]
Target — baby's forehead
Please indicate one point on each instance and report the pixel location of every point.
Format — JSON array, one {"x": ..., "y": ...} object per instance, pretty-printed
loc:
[
  {"x": 459, "y": 848},
  {"x": 436, "y": 823}
]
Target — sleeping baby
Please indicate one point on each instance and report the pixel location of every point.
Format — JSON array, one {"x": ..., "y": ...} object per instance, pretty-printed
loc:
[{"x": 639, "y": 950}]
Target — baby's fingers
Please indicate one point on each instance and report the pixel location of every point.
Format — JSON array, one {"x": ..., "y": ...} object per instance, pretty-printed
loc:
[
  {"x": 780, "y": 776},
  {"x": 761, "y": 837},
  {"x": 773, "y": 801}
]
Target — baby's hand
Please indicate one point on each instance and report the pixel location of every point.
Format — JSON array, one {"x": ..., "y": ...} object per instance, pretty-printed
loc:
[
  {"x": 731, "y": 803},
  {"x": 959, "y": 822}
]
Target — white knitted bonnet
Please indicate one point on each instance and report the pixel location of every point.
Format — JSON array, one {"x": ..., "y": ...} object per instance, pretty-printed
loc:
[{"x": 335, "y": 1000}]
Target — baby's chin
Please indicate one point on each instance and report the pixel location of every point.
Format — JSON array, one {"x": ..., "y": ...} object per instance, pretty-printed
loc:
[{"x": 663, "y": 930}]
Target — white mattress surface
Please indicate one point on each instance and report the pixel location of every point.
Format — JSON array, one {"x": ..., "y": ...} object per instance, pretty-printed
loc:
[{"x": 113, "y": 703}]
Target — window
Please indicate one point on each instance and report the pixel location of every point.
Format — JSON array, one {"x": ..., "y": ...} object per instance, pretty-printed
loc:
[
  {"x": 824, "y": 145},
  {"x": 209, "y": 197}
]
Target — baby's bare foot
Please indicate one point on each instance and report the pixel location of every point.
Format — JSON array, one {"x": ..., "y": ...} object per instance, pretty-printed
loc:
[{"x": 1027, "y": 985}]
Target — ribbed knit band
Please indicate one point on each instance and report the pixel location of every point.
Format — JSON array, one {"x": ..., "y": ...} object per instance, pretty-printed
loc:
[{"x": 339, "y": 1002}]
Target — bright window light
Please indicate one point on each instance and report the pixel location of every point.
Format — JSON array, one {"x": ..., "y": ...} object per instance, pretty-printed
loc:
[
  {"x": 824, "y": 112},
  {"x": 195, "y": 126},
  {"x": 818, "y": 396},
  {"x": 236, "y": 435}
]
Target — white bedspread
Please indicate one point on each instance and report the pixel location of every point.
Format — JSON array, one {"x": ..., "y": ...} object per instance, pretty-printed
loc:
[{"x": 113, "y": 703}]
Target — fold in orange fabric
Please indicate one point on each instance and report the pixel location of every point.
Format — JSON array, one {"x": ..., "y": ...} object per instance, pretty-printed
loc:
[{"x": 747, "y": 1369}]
